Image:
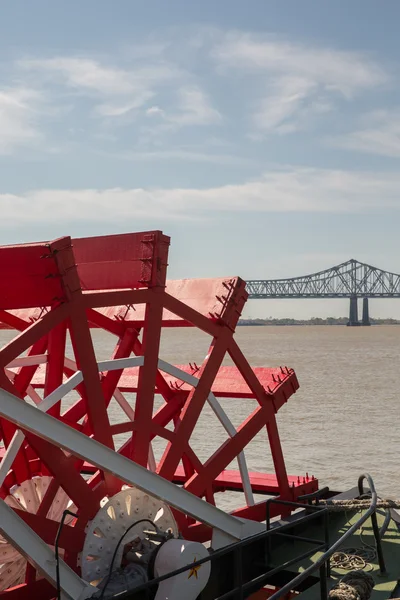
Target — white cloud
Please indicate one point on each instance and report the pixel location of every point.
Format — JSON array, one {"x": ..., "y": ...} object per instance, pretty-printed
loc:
[
  {"x": 379, "y": 134},
  {"x": 186, "y": 154},
  {"x": 290, "y": 190},
  {"x": 154, "y": 110},
  {"x": 195, "y": 108},
  {"x": 298, "y": 80},
  {"x": 284, "y": 87},
  {"x": 347, "y": 72},
  {"x": 287, "y": 96},
  {"x": 125, "y": 89},
  {"x": 18, "y": 118},
  {"x": 192, "y": 107},
  {"x": 118, "y": 110},
  {"x": 84, "y": 73}
]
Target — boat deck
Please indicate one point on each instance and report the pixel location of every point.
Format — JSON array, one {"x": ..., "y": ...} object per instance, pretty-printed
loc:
[{"x": 385, "y": 585}]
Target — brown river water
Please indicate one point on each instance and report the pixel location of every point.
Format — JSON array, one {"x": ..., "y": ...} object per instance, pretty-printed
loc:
[{"x": 344, "y": 419}]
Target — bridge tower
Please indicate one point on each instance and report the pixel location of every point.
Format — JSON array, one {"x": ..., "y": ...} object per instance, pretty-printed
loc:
[
  {"x": 365, "y": 313},
  {"x": 353, "y": 315}
]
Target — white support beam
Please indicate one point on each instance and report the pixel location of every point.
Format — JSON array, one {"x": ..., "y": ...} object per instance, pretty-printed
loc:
[
  {"x": 120, "y": 363},
  {"x": 10, "y": 454},
  {"x": 43, "y": 405},
  {"x": 28, "y": 361},
  {"x": 62, "y": 390},
  {"x": 110, "y": 365},
  {"x": 230, "y": 429},
  {"x": 33, "y": 420},
  {"x": 59, "y": 393},
  {"x": 123, "y": 363},
  {"x": 71, "y": 364},
  {"x": 33, "y": 395},
  {"x": 223, "y": 419},
  {"x": 38, "y": 553},
  {"x": 124, "y": 404}
]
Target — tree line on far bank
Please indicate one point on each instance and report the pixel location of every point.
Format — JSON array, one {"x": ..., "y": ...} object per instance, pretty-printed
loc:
[{"x": 312, "y": 321}]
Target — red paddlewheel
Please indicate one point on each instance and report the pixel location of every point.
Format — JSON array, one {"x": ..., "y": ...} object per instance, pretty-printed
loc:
[{"x": 54, "y": 295}]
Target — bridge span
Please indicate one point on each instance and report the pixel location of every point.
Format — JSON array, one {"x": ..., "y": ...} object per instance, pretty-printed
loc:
[{"x": 351, "y": 279}]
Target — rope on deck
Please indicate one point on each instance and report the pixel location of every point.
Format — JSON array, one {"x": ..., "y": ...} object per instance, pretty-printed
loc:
[
  {"x": 353, "y": 558},
  {"x": 357, "y": 558},
  {"x": 342, "y": 505},
  {"x": 356, "y": 585}
]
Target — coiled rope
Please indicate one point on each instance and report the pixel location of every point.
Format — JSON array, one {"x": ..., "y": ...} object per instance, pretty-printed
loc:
[
  {"x": 356, "y": 585},
  {"x": 355, "y": 558}
]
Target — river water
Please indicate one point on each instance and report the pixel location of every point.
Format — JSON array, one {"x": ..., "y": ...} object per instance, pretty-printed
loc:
[{"x": 344, "y": 419}]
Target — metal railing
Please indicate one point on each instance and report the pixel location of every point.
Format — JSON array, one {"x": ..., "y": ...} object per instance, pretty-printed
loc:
[
  {"x": 317, "y": 511},
  {"x": 322, "y": 561},
  {"x": 321, "y": 564}
]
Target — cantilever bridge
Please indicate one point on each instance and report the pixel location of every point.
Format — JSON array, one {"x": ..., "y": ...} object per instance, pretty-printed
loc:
[{"x": 352, "y": 279}]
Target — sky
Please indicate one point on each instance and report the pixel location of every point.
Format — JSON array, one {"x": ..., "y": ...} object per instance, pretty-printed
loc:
[{"x": 262, "y": 136}]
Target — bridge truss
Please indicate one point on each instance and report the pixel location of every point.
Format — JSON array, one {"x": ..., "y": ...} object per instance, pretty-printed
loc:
[{"x": 351, "y": 279}]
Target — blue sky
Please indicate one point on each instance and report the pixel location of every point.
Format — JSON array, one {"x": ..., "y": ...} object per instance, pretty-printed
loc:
[{"x": 263, "y": 136}]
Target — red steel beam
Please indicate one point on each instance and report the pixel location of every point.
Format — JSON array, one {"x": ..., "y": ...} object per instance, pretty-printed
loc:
[
  {"x": 115, "y": 297},
  {"x": 32, "y": 334},
  {"x": 194, "y": 403},
  {"x": 190, "y": 315},
  {"x": 25, "y": 374},
  {"x": 261, "y": 483},
  {"x": 83, "y": 345},
  {"x": 264, "y": 399},
  {"x": 71, "y": 538},
  {"x": 108, "y": 383},
  {"x": 138, "y": 260},
  {"x": 228, "y": 451},
  {"x": 55, "y": 363},
  {"x": 100, "y": 320},
  {"x": 28, "y": 275},
  {"x": 147, "y": 379},
  {"x": 12, "y": 321}
]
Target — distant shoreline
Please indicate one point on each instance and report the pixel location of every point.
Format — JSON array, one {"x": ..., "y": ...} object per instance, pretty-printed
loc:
[{"x": 313, "y": 321}]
